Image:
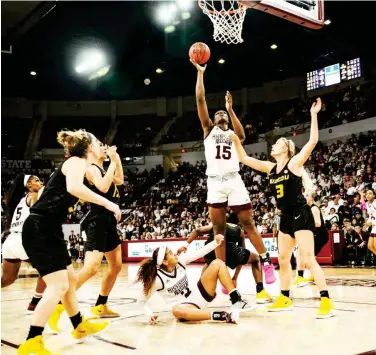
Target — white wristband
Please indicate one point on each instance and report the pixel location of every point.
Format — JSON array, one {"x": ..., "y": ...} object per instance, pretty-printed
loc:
[{"x": 186, "y": 245}]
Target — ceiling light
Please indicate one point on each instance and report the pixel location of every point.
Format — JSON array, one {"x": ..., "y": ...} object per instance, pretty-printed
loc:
[
  {"x": 184, "y": 4},
  {"x": 185, "y": 15},
  {"x": 273, "y": 46},
  {"x": 221, "y": 61},
  {"x": 327, "y": 22},
  {"x": 33, "y": 73},
  {"x": 169, "y": 29},
  {"x": 159, "y": 71},
  {"x": 90, "y": 61},
  {"x": 166, "y": 13}
]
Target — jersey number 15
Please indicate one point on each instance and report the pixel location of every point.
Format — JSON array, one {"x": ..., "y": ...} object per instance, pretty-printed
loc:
[{"x": 223, "y": 152}]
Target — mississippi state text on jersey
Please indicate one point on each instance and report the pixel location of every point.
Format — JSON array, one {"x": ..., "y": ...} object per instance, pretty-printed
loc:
[{"x": 220, "y": 154}]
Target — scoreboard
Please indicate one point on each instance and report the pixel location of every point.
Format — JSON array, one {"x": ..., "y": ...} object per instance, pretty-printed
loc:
[{"x": 334, "y": 74}]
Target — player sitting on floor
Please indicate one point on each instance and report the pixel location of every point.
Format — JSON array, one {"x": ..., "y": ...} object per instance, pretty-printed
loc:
[
  {"x": 165, "y": 273},
  {"x": 236, "y": 256}
]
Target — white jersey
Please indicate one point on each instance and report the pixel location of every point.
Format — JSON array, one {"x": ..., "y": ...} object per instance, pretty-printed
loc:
[
  {"x": 371, "y": 210},
  {"x": 175, "y": 284},
  {"x": 220, "y": 153},
  {"x": 20, "y": 214}
]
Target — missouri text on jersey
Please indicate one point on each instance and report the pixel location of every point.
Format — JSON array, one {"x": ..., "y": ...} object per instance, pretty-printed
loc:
[{"x": 280, "y": 179}]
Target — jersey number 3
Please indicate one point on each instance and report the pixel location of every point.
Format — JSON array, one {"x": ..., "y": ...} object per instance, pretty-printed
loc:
[
  {"x": 280, "y": 191},
  {"x": 223, "y": 152}
]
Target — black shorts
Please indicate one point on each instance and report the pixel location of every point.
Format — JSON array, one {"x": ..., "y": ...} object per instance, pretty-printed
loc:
[
  {"x": 321, "y": 238},
  {"x": 235, "y": 255},
  {"x": 101, "y": 233},
  {"x": 298, "y": 220},
  {"x": 44, "y": 244}
]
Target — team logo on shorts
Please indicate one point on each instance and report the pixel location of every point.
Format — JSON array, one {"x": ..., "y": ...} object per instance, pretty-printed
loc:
[{"x": 286, "y": 171}]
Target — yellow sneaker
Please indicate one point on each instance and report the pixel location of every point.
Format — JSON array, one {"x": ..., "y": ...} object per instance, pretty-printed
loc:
[
  {"x": 263, "y": 297},
  {"x": 103, "y": 311},
  {"x": 326, "y": 309},
  {"x": 300, "y": 282},
  {"x": 281, "y": 304},
  {"x": 310, "y": 280},
  {"x": 53, "y": 322},
  {"x": 86, "y": 329},
  {"x": 34, "y": 346}
]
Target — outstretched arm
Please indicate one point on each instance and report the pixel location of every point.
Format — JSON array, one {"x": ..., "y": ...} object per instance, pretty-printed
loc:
[
  {"x": 238, "y": 127},
  {"x": 202, "y": 107},
  {"x": 194, "y": 235},
  {"x": 260, "y": 165},
  {"x": 300, "y": 158},
  {"x": 197, "y": 254}
]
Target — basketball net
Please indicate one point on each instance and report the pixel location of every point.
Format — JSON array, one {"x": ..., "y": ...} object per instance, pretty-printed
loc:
[{"x": 227, "y": 18}]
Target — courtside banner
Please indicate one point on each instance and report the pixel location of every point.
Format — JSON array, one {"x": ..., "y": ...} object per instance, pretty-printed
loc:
[{"x": 137, "y": 250}]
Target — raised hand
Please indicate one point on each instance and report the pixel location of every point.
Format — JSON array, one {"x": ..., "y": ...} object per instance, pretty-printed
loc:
[
  {"x": 228, "y": 99},
  {"x": 111, "y": 152},
  {"x": 316, "y": 106},
  {"x": 199, "y": 68}
]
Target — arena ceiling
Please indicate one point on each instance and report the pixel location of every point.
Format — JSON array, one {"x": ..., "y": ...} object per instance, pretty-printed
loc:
[{"x": 50, "y": 38}]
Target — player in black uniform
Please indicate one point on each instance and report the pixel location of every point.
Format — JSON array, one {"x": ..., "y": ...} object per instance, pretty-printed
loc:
[
  {"x": 236, "y": 256},
  {"x": 321, "y": 236},
  {"x": 101, "y": 229},
  {"x": 286, "y": 179},
  {"x": 43, "y": 239}
]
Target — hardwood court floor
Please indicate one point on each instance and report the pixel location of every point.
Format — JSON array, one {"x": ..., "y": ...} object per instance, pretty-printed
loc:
[{"x": 352, "y": 331}]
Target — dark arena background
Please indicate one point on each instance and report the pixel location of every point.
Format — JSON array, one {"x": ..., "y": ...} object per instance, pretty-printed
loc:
[{"x": 121, "y": 71}]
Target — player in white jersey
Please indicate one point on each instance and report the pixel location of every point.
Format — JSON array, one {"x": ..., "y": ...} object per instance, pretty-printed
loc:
[
  {"x": 371, "y": 209},
  {"x": 13, "y": 253},
  {"x": 165, "y": 273},
  {"x": 225, "y": 186}
]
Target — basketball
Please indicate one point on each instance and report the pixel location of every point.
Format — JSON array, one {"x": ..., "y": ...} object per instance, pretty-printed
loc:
[{"x": 199, "y": 52}]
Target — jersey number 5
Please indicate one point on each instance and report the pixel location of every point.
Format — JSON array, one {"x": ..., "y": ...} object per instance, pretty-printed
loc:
[
  {"x": 18, "y": 213},
  {"x": 226, "y": 152},
  {"x": 280, "y": 191}
]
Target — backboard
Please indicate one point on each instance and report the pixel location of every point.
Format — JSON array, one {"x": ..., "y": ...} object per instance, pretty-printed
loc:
[{"x": 308, "y": 13}]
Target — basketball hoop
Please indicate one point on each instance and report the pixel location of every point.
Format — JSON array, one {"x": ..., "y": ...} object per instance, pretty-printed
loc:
[{"x": 227, "y": 18}]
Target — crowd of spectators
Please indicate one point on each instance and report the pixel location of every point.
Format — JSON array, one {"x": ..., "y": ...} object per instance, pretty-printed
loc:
[
  {"x": 339, "y": 107},
  {"x": 341, "y": 171}
]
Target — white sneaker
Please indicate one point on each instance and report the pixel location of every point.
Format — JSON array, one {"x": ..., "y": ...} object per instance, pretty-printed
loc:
[
  {"x": 243, "y": 306},
  {"x": 233, "y": 316}
]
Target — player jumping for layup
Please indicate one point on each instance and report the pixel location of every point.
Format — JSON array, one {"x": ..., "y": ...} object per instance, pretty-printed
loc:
[{"x": 225, "y": 186}]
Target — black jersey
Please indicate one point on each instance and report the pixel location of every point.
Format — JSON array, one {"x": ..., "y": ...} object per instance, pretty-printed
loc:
[
  {"x": 55, "y": 200},
  {"x": 112, "y": 194},
  {"x": 287, "y": 188},
  {"x": 322, "y": 227},
  {"x": 233, "y": 234}
]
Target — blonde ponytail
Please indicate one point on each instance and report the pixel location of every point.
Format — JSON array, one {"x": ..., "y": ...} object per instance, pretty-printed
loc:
[{"x": 75, "y": 143}]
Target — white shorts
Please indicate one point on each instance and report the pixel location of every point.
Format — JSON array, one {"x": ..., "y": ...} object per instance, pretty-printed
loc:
[
  {"x": 13, "y": 249},
  {"x": 198, "y": 297},
  {"x": 228, "y": 189}
]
